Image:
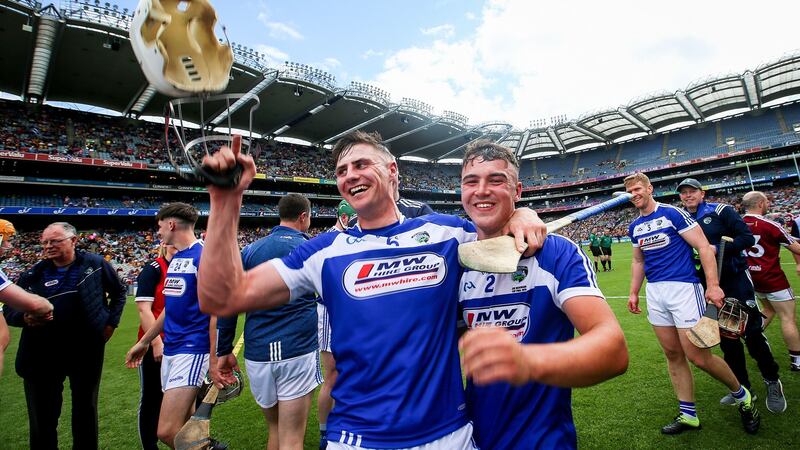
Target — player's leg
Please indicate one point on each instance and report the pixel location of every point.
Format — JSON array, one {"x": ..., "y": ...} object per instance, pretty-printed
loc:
[
  {"x": 150, "y": 402},
  {"x": 680, "y": 373},
  {"x": 273, "y": 431},
  {"x": 785, "y": 307},
  {"x": 44, "y": 398},
  {"x": 177, "y": 406},
  {"x": 293, "y": 419},
  {"x": 609, "y": 256},
  {"x": 181, "y": 377},
  {"x": 295, "y": 380},
  {"x": 84, "y": 382},
  {"x": 766, "y": 309}
]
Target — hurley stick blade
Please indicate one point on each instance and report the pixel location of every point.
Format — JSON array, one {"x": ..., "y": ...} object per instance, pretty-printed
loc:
[
  {"x": 495, "y": 255},
  {"x": 705, "y": 334}
]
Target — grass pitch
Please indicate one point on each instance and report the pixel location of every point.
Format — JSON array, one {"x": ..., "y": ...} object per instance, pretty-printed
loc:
[{"x": 626, "y": 412}]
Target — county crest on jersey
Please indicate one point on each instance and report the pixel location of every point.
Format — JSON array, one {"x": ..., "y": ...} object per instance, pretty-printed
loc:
[
  {"x": 667, "y": 257},
  {"x": 392, "y": 299}
]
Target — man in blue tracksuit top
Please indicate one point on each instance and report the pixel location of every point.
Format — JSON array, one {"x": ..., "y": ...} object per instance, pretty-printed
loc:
[
  {"x": 717, "y": 220},
  {"x": 280, "y": 344}
]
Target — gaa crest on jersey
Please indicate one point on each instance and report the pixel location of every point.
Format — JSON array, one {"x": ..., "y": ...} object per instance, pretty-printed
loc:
[
  {"x": 174, "y": 286},
  {"x": 654, "y": 241},
  {"x": 520, "y": 274},
  {"x": 515, "y": 317},
  {"x": 707, "y": 220},
  {"x": 365, "y": 278},
  {"x": 422, "y": 237}
]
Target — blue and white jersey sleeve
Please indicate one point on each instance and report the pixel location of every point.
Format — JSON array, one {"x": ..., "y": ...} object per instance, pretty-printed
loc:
[{"x": 4, "y": 281}]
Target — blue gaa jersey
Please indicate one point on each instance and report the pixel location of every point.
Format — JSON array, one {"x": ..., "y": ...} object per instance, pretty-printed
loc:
[
  {"x": 529, "y": 304},
  {"x": 185, "y": 327},
  {"x": 280, "y": 333},
  {"x": 667, "y": 257},
  {"x": 392, "y": 298}
]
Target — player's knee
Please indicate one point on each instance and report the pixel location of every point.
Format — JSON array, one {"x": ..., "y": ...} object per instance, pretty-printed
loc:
[{"x": 166, "y": 433}]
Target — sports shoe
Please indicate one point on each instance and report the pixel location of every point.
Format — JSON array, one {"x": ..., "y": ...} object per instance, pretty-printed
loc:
[
  {"x": 217, "y": 445},
  {"x": 776, "y": 402},
  {"x": 751, "y": 419},
  {"x": 681, "y": 424},
  {"x": 794, "y": 367},
  {"x": 728, "y": 400}
]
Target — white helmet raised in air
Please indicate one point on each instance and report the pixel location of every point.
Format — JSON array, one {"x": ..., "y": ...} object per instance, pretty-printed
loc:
[{"x": 175, "y": 45}]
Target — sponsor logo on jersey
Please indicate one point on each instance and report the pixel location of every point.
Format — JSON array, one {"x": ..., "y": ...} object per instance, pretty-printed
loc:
[
  {"x": 174, "y": 286},
  {"x": 514, "y": 317},
  {"x": 51, "y": 283},
  {"x": 370, "y": 277},
  {"x": 520, "y": 274},
  {"x": 182, "y": 265},
  {"x": 755, "y": 268},
  {"x": 707, "y": 220},
  {"x": 654, "y": 241},
  {"x": 422, "y": 237}
]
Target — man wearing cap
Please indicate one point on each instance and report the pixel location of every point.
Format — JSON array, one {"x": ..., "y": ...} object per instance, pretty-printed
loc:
[{"x": 717, "y": 220}]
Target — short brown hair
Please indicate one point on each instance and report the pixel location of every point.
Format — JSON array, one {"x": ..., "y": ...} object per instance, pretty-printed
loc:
[
  {"x": 489, "y": 151},
  {"x": 347, "y": 142},
  {"x": 290, "y": 206},
  {"x": 637, "y": 177},
  {"x": 184, "y": 212}
]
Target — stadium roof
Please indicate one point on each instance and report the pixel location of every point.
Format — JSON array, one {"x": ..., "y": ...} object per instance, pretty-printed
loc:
[{"x": 81, "y": 53}]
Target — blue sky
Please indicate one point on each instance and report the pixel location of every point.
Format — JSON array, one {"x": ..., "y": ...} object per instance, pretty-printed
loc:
[{"x": 516, "y": 60}]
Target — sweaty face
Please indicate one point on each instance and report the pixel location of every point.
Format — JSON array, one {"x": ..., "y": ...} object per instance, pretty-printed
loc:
[
  {"x": 691, "y": 197},
  {"x": 488, "y": 192},
  {"x": 641, "y": 194},
  {"x": 364, "y": 176}
]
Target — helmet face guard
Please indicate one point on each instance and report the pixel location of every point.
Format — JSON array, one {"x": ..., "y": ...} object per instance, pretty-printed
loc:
[
  {"x": 186, "y": 147},
  {"x": 732, "y": 319},
  {"x": 176, "y": 47}
]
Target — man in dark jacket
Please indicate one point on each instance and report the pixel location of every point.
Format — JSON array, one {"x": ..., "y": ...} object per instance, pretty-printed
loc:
[
  {"x": 88, "y": 298},
  {"x": 717, "y": 220}
]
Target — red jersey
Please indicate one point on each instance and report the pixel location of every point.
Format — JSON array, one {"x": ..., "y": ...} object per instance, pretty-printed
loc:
[
  {"x": 150, "y": 285},
  {"x": 764, "y": 257}
]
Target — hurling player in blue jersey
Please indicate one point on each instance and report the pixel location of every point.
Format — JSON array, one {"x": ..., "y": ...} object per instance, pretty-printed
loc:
[
  {"x": 390, "y": 285},
  {"x": 189, "y": 334},
  {"x": 662, "y": 238},
  {"x": 520, "y": 353},
  {"x": 280, "y": 347}
]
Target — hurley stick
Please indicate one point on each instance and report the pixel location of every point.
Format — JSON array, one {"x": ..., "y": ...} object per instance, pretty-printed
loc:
[{"x": 705, "y": 334}]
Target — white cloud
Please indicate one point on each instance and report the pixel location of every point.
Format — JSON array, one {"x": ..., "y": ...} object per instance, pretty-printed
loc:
[
  {"x": 279, "y": 30},
  {"x": 528, "y": 60},
  {"x": 371, "y": 54},
  {"x": 277, "y": 56},
  {"x": 445, "y": 31}
]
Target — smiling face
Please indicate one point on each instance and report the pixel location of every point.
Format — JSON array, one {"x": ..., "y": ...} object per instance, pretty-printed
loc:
[
  {"x": 488, "y": 192},
  {"x": 642, "y": 195},
  {"x": 691, "y": 197},
  {"x": 366, "y": 178},
  {"x": 58, "y": 245}
]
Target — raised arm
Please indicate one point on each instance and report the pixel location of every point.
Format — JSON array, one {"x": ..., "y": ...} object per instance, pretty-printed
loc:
[{"x": 225, "y": 288}]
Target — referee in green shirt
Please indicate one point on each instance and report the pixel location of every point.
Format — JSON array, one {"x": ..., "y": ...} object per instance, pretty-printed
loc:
[{"x": 605, "y": 252}]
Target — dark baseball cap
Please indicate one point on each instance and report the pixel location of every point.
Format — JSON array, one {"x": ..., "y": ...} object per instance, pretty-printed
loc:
[{"x": 691, "y": 182}]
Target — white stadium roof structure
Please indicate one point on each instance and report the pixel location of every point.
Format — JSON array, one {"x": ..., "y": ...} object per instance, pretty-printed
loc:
[{"x": 81, "y": 53}]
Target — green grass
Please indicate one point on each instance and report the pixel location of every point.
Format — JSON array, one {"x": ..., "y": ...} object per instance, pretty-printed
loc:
[{"x": 626, "y": 412}]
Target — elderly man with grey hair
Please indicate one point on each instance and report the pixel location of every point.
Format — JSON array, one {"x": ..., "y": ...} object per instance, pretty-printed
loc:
[{"x": 88, "y": 298}]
